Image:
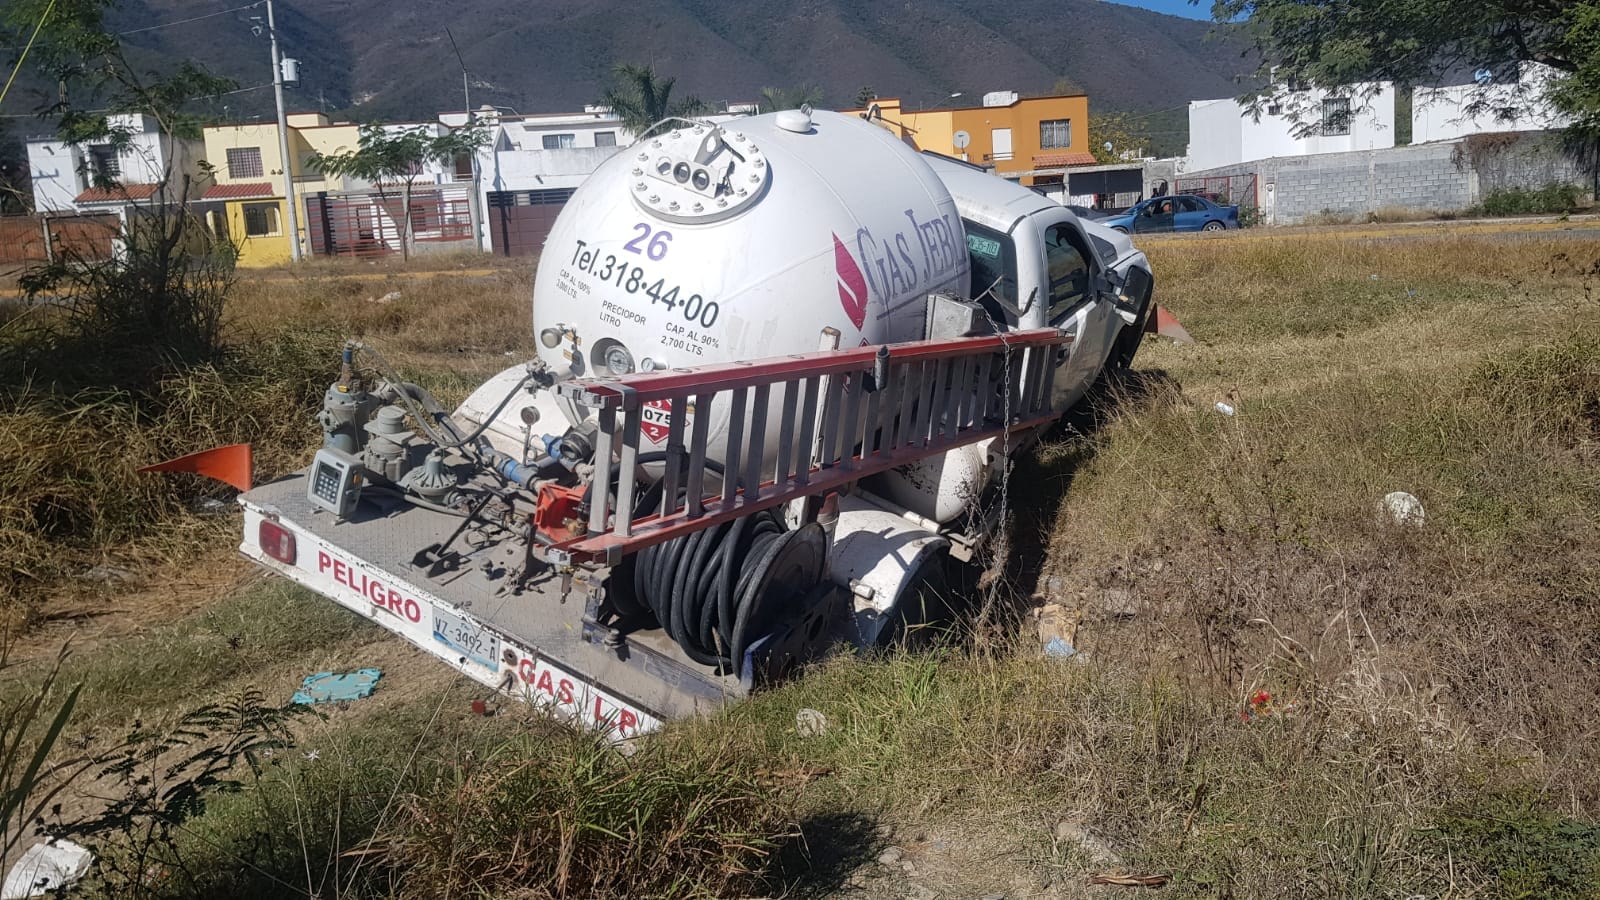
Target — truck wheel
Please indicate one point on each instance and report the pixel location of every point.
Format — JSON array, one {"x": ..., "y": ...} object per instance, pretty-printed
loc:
[{"x": 923, "y": 606}]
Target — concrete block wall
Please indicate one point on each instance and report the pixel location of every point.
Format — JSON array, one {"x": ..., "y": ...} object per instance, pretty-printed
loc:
[{"x": 1425, "y": 177}]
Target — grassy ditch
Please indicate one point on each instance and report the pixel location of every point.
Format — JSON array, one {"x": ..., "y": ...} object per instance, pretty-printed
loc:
[{"x": 1276, "y": 688}]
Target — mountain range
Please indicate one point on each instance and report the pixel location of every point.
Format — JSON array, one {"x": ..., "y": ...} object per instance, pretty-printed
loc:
[{"x": 378, "y": 58}]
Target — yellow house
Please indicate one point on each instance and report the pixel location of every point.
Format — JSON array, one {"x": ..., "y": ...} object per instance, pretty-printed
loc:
[
  {"x": 1028, "y": 139},
  {"x": 249, "y": 180}
]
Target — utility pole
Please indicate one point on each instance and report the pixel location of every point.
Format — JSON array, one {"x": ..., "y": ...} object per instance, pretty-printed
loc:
[
  {"x": 283, "y": 139},
  {"x": 466, "y": 99}
]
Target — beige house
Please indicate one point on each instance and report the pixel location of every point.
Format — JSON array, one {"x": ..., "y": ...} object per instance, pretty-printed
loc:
[{"x": 249, "y": 180}]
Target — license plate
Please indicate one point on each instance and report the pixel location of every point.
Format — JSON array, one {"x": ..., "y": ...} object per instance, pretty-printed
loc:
[{"x": 470, "y": 640}]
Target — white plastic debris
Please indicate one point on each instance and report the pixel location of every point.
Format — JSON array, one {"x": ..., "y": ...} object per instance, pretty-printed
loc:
[
  {"x": 45, "y": 868},
  {"x": 1404, "y": 509},
  {"x": 810, "y": 723},
  {"x": 1224, "y": 408}
]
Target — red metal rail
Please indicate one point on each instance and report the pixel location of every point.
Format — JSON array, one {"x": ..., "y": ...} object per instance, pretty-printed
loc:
[{"x": 841, "y": 415}]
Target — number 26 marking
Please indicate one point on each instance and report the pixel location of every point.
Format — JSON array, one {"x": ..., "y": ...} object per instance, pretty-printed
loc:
[{"x": 657, "y": 247}]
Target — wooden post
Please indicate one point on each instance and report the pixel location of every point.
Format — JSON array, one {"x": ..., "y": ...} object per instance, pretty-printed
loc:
[{"x": 49, "y": 242}]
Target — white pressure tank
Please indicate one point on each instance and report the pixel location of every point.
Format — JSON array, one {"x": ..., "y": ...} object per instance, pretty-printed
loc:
[{"x": 721, "y": 243}]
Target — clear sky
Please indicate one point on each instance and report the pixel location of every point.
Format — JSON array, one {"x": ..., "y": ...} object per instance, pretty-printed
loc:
[{"x": 1201, "y": 10}]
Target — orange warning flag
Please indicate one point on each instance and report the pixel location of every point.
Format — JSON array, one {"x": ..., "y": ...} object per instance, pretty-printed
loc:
[
  {"x": 231, "y": 464},
  {"x": 1166, "y": 324}
]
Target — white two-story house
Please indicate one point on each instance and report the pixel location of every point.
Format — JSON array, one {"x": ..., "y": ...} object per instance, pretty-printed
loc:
[{"x": 148, "y": 167}]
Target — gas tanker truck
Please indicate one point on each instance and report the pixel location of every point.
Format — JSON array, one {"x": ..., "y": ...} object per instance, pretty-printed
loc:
[{"x": 783, "y": 364}]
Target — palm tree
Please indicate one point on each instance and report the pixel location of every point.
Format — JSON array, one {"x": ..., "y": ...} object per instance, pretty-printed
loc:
[
  {"x": 641, "y": 98},
  {"x": 774, "y": 99}
]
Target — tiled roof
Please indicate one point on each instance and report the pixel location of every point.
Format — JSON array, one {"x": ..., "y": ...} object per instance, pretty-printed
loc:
[
  {"x": 1068, "y": 158},
  {"x": 243, "y": 191},
  {"x": 122, "y": 193}
]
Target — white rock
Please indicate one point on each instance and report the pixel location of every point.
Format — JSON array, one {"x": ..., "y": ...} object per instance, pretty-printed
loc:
[
  {"x": 810, "y": 723},
  {"x": 1403, "y": 509},
  {"x": 890, "y": 856}
]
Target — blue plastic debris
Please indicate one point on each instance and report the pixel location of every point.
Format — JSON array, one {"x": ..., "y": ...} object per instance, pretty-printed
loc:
[
  {"x": 331, "y": 687},
  {"x": 1059, "y": 649}
]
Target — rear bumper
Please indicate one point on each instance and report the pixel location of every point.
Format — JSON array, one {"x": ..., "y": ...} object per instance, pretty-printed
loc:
[{"x": 497, "y": 659}]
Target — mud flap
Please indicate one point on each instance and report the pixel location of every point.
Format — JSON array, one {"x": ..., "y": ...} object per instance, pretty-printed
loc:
[{"x": 1166, "y": 324}]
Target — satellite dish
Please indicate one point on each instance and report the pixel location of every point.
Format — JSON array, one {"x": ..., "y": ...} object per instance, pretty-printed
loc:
[{"x": 961, "y": 139}]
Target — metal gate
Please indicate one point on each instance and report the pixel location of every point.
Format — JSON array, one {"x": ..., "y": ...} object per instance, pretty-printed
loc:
[
  {"x": 1223, "y": 190},
  {"x": 519, "y": 221},
  {"x": 367, "y": 224},
  {"x": 42, "y": 238}
]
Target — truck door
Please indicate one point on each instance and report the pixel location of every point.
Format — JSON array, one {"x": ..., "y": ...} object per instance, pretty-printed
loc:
[{"x": 1075, "y": 305}]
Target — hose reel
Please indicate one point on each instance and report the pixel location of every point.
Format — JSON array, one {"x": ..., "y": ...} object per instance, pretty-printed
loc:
[{"x": 718, "y": 590}]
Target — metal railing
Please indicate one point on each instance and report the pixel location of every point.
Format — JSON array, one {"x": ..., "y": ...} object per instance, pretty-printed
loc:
[{"x": 841, "y": 415}]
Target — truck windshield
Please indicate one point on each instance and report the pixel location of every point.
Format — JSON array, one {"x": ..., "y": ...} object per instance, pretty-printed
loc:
[{"x": 994, "y": 263}]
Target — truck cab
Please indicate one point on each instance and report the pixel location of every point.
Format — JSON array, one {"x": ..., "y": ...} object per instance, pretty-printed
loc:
[{"x": 1036, "y": 265}]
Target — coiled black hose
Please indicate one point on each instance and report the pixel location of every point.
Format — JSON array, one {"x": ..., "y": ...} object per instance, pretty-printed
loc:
[
  {"x": 704, "y": 588},
  {"x": 714, "y": 591}
]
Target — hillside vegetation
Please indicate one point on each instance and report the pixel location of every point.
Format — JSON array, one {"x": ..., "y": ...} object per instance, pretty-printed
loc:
[
  {"x": 383, "y": 59},
  {"x": 1276, "y": 689}
]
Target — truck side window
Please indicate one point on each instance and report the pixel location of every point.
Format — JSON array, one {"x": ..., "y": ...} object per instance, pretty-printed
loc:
[
  {"x": 994, "y": 268},
  {"x": 1069, "y": 270}
]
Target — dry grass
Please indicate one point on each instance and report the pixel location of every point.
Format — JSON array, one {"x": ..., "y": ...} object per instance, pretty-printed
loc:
[{"x": 70, "y": 495}]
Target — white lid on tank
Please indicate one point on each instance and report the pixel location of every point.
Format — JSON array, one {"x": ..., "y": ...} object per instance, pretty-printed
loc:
[
  {"x": 795, "y": 120},
  {"x": 699, "y": 174}
]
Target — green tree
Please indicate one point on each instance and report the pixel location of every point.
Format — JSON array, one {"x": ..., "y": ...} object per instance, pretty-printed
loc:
[
  {"x": 158, "y": 304},
  {"x": 641, "y": 98},
  {"x": 774, "y": 99},
  {"x": 386, "y": 156},
  {"x": 865, "y": 96},
  {"x": 1123, "y": 131},
  {"x": 1338, "y": 43},
  {"x": 16, "y": 187}
]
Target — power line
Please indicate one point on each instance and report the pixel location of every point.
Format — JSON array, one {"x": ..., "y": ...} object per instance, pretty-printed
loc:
[
  {"x": 161, "y": 25},
  {"x": 18, "y": 67},
  {"x": 191, "y": 19}
]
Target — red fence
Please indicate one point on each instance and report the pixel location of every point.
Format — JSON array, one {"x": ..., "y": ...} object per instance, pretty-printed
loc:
[
  {"x": 519, "y": 221},
  {"x": 41, "y": 238},
  {"x": 1224, "y": 190},
  {"x": 369, "y": 224}
]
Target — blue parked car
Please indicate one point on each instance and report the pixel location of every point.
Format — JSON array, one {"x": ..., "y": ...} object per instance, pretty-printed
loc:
[{"x": 1175, "y": 212}]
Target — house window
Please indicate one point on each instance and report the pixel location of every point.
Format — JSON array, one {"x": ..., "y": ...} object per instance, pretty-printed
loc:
[
  {"x": 1336, "y": 116},
  {"x": 605, "y": 138},
  {"x": 1055, "y": 134},
  {"x": 244, "y": 162},
  {"x": 463, "y": 163},
  {"x": 261, "y": 220},
  {"x": 1274, "y": 109},
  {"x": 560, "y": 141},
  {"x": 103, "y": 161}
]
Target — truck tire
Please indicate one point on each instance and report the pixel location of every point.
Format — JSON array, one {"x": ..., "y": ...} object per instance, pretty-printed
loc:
[{"x": 924, "y": 606}]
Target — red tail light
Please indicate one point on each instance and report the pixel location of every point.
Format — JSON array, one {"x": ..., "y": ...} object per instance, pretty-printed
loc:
[{"x": 276, "y": 541}]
